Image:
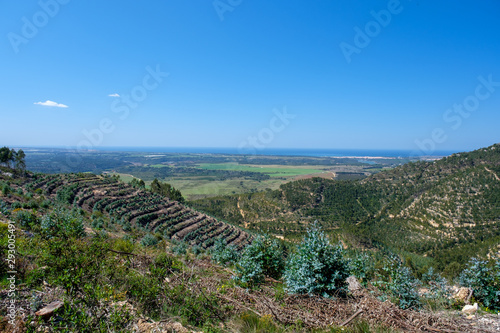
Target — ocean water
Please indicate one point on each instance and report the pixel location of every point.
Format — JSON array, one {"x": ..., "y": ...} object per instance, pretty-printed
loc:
[{"x": 279, "y": 151}]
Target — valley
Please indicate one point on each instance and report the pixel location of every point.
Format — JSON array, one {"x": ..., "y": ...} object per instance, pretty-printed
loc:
[{"x": 204, "y": 175}]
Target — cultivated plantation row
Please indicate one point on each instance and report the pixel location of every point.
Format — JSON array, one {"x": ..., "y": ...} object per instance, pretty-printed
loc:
[{"x": 135, "y": 207}]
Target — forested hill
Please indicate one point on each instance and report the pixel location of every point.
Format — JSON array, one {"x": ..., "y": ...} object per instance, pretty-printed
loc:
[
  {"x": 117, "y": 207},
  {"x": 447, "y": 210}
]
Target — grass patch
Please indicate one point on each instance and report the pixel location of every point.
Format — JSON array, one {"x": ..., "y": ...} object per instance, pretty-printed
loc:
[{"x": 273, "y": 171}]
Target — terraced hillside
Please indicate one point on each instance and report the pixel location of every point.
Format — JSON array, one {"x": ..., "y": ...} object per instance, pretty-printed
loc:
[
  {"x": 131, "y": 206},
  {"x": 448, "y": 210}
]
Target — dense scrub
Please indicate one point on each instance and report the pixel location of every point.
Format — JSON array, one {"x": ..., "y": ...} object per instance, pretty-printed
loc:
[{"x": 119, "y": 207}]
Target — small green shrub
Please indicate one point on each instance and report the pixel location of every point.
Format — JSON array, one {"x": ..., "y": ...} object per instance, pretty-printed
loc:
[
  {"x": 438, "y": 285},
  {"x": 179, "y": 248},
  {"x": 6, "y": 189},
  {"x": 27, "y": 220},
  {"x": 149, "y": 240},
  {"x": 46, "y": 204},
  {"x": 98, "y": 223},
  {"x": 126, "y": 226},
  {"x": 67, "y": 194},
  {"x": 222, "y": 253},
  {"x": 123, "y": 245},
  {"x": 61, "y": 223},
  {"x": 400, "y": 283},
  {"x": 4, "y": 208},
  {"x": 362, "y": 266},
  {"x": 484, "y": 280},
  {"x": 317, "y": 267},
  {"x": 260, "y": 259}
]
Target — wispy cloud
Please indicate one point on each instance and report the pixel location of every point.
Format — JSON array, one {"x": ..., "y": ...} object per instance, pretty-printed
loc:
[
  {"x": 114, "y": 95},
  {"x": 51, "y": 104}
]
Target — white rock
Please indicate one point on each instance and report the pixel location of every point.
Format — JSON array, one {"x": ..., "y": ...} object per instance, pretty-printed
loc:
[
  {"x": 470, "y": 309},
  {"x": 353, "y": 283}
]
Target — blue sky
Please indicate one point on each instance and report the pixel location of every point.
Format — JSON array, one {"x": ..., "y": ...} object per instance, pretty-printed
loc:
[{"x": 234, "y": 65}]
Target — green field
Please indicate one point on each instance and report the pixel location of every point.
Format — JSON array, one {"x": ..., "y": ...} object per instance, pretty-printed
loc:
[
  {"x": 194, "y": 188},
  {"x": 273, "y": 171},
  {"x": 123, "y": 177},
  {"x": 159, "y": 166}
]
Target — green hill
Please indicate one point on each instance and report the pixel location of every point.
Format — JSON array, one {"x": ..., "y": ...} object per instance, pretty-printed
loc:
[
  {"x": 117, "y": 207},
  {"x": 443, "y": 211}
]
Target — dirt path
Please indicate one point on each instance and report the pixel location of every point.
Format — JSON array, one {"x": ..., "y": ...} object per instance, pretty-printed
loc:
[
  {"x": 494, "y": 174},
  {"x": 245, "y": 223}
]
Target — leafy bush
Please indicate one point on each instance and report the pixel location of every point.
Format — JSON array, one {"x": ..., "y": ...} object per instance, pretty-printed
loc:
[
  {"x": 179, "y": 248},
  {"x": 362, "y": 266},
  {"x": 484, "y": 281},
  {"x": 438, "y": 285},
  {"x": 317, "y": 267},
  {"x": 126, "y": 226},
  {"x": 260, "y": 259},
  {"x": 222, "y": 253},
  {"x": 98, "y": 223},
  {"x": 4, "y": 208},
  {"x": 149, "y": 240},
  {"x": 67, "y": 194},
  {"x": 46, "y": 204},
  {"x": 6, "y": 189},
  {"x": 123, "y": 245},
  {"x": 32, "y": 204},
  {"x": 61, "y": 223},
  {"x": 196, "y": 250},
  {"x": 399, "y": 281},
  {"x": 26, "y": 219}
]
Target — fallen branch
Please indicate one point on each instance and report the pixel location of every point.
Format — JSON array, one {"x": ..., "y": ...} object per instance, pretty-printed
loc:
[
  {"x": 272, "y": 311},
  {"x": 352, "y": 317}
]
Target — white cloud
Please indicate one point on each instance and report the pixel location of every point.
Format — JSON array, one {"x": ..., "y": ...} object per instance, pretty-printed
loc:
[
  {"x": 114, "y": 95},
  {"x": 52, "y": 104}
]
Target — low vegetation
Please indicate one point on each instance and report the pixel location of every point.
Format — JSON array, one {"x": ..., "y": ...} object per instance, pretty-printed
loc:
[{"x": 120, "y": 258}]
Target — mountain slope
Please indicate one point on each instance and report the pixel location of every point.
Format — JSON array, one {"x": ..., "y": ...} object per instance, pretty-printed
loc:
[
  {"x": 447, "y": 209},
  {"x": 127, "y": 207}
]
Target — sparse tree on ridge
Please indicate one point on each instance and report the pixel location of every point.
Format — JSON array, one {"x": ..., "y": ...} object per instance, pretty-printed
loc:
[
  {"x": 19, "y": 161},
  {"x": 166, "y": 190},
  {"x": 10, "y": 155},
  {"x": 4, "y": 155},
  {"x": 7, "y": 155}
]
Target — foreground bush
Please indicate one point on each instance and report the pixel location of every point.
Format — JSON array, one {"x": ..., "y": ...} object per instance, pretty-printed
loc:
[
  {"x": 484, "y": 280},
  {"x": 62, "y": 223},
  {"x": 317, "y": 267},
  {"x": 262, "y": 258},
  {"x": 400, "y": 283},
  {"x": 95, "y": 278},
  {"x": 222, "y": 253},
  {"x": 438, "y": 285}
]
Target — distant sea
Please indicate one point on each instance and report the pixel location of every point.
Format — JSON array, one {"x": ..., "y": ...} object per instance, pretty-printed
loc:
[{"x": 280, "y": 151}]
